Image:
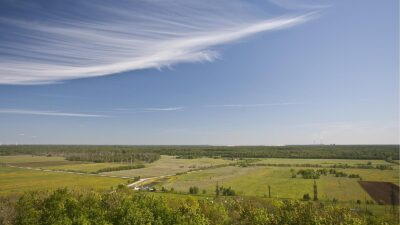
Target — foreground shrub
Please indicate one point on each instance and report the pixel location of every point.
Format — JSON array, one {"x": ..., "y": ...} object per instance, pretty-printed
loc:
[{"x": 124, "y": 207}]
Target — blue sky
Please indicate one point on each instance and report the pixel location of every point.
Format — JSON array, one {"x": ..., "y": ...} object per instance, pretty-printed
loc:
[{"x": 189, "y": 72}]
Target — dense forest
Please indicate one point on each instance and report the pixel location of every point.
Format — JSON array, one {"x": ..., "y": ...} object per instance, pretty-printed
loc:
[
  {"x": 129, "y": 154},
  {"x": 120, "y": 154},
  {"x": 123, "y": 207}
]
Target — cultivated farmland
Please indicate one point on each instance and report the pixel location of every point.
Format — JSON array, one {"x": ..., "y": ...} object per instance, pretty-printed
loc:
[{"x": 175, "y": 177}]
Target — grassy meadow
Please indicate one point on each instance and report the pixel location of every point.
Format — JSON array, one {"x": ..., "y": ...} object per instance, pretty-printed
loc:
[
  {"x": 199, "y": 172},
  {"x": 173, "y": 177},
  {"x": 13, "y": 159},
  {"x": 84, "y": 167},
  {"x": 254, "y": 181},
  {"x": 15, "y": 181},
  {"x": 170, "y": 165},
  {"x": 55, "y": 163}
]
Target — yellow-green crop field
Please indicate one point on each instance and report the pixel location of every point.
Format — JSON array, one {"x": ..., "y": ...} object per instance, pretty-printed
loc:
[
  {"x": 29, "y": 158},
  {"x": 54, "y": 163},
  {"x": 169, "y": 165},
  {"x": 84, "y": 167},
  {"x": 14, "y": 181},
  {"x": 254, "y": 181},
  {"x": 248, "y": 181},
  {"x": 33, "y": 161}
]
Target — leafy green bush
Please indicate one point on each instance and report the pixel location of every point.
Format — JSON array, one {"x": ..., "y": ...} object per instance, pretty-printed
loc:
[
  {"x": 308, "y": 174},
  {"x": 194, "y": 190},
  {"x": 125, "y": 207}
]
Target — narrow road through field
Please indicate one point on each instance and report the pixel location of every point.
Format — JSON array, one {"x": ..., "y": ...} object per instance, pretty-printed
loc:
[
  {"x": 136, "y": 184},
  {"x": 132, "y": 185}
]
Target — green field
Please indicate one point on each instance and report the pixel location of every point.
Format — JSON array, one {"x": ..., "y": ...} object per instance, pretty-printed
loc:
[
  {"x": 29, "y": 159},
  {"x": 35, "y": 161},
  {"x": 172, "y": 176},
  {"x": 84, "y": 167},
  {"x": 55, "y": 163},
  {"x": 15, "y": 181},
  {"x": 254, "y": 181},
  {"x": 248, "y": 181},
  {"x": 170, "y": 165}
]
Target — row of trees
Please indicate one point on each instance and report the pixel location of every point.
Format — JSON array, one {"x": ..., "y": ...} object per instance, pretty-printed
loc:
[
  {"x": 254, "y": 162},
  {"x": 112, "y": 156},
  {"x": 118, "y": 168},
  {"x": 363, "y": 166},
  {"x": 315, "y": 174},
  {"x": 122, "y": 207}
]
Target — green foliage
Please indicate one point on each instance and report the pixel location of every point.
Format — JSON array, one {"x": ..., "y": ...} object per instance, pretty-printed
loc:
[
  {"x": 306, "y": 197},
  {"x": 315, "y": 174},
  {"x": 384, "y": 167},
  {"x": 194, "y": 190},
  {"x": 122, "y": 207},
  {"x": 227, "y": 191},
  {"x": 27, "y": 210},
  {"x": 322, "y": 172},
  {"x": 354, "y": 176},
  {"x": 340, "y": 174},
  {"x": 309, "y": 174}
]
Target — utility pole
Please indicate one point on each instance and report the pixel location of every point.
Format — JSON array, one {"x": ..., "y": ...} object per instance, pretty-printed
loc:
[
  {"x": 315, "y": 191},
  {"x": 392, "y": 198},
  {"x": 217, "y": 190},
  {"x": 269, "y": 191}
]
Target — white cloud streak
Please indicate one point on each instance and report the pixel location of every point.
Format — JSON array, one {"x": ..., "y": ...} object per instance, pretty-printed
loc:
[
  {"x": 304, "y": 4},
  {"x": 252, "y": 105},
  {"x": 47, "y": 113},
  {"x": 96, "y": 38},
  {"x": 164, "y": 109}
]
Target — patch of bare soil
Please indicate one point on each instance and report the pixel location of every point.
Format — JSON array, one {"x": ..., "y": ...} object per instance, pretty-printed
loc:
[{"x": 382, "y": 192}]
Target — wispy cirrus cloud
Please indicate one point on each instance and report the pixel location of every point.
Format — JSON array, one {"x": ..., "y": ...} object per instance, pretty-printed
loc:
[
  {"x": 303, "y": 4},
  {"x": 252, "y": 105},
  {"x": 43, "y": 43},
  {"x": 47, "y": 113},
  {"x": 164, "y": 109}
]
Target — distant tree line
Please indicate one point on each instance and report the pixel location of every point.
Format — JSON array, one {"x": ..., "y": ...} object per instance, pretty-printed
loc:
[
  {"x": 118, "y": 154},
  {"x": 113, "y": 153},
  {"x": 245, "y": 163},
  {"x": 112, "y": 156},
  {"x": 300, "y": 151},
  {"x": 118, "y": 168},
  {"x": 123, "y": 207}
]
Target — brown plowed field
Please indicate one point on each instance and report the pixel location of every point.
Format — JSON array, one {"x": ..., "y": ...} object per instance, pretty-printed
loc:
[{"x": 381, "y": 191}]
